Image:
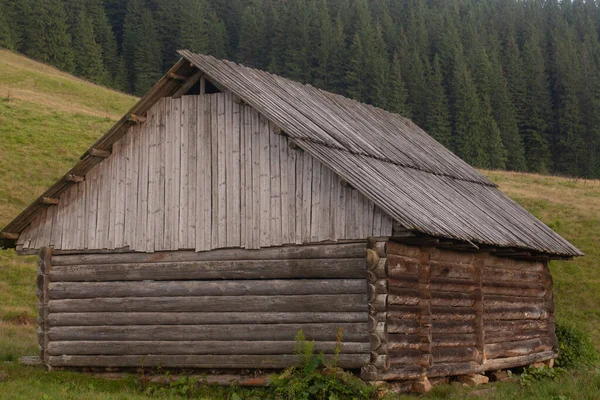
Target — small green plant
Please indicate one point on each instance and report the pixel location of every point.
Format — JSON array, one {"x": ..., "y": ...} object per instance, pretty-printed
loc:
[
  {"x": 576, "y": 350},
  {"x": 315, "y": 379},
  {"x": 533, "y": 374}
]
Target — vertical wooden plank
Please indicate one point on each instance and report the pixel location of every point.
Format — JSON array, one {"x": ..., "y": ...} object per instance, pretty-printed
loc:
[
  {"x": 204, "y": 177},
  {"x": 386, "y": 224},
  {"x": 153, "y": 175},
  {"x": 172, "y": 223},
  {"x": 32, "y": 233},
  {"x": 184, "y": 186},
  {"x": 298, "y": 235},
  {"x": 243, "y": 161},
  {"x": 131, "y": 192},
  {"x": 325, "y": 207},
  {"x": 162, "y": 230},
  {"x": 192, "y": 171},
  {"x": 340, "y": 230},
  {"x": 376, "y": 222},
  {"x": 221, "y": 171},
  {"x": 275, "y": 185},
  {"x": 291, "y": 183},
  {"x": 57, "y": 230},
  {"x": 265, "y": 184},
  {"x": 334, "y": 205},
  {"x": 307, "y": 176},
  {"x": 113, "y": 182},
  {"x": 284, "y": 176},
  {"x": 81, "y": 215},
  {"x": 228, "y": 140},
  {"x": 350, "y": 222},
  {"x": 214, "y": 136},
  {"x": 45, "y": 228},
  {"x": 91, "y": 183},
  {"x": 256, "y": 181},
  {"x": 65, "y": 199},
  {"x": 236, "y": 177},
  {"x": 143, "y": 181},
  {"x": 54, "y": 228},
  {"x": 121, "y": 198},
  {"x": 315, "y": 201},
  {"x": 369, "y": 218}
]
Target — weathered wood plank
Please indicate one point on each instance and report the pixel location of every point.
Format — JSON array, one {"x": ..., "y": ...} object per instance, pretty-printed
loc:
[
  {"x": 221, "y": 138},
  {"x": 275, "y": 186},
  {"x": 201, "y": 318},
  {"x": 256, "y": 269},
  {"x": 88, "y": 290},
  {"x": 265, "y": 183},
  {"x": 257, "y": 225},
  {"x": 356, "y": 332},
  {"x": 198, "y": 361},
  {"x": 340, "y": 250},
  {"x": 194, "y": 347}
]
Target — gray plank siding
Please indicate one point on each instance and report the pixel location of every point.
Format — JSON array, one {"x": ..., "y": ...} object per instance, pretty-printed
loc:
[{"x": 204, "y": 172}]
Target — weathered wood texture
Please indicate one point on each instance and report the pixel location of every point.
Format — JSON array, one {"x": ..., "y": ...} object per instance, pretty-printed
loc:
[
  {"x": 452, "y": 313},
  {"x": 184, "y": 309},
  {"x": 203, "y": 172}
]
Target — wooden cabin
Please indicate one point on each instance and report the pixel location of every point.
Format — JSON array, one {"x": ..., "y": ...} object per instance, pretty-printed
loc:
[{"x": 231, "y": 208}]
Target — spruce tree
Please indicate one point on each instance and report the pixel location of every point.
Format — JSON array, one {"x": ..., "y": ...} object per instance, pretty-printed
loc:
[
  {"x": 217, "y": 36},
  {"x": 355, "y": 73},
  {"x": 7, "y": 39},
  {"x": 437, "y": 118},
  {"x": 338, "y": 59},
  {"x": 88, "y": 53},
  {"x": 48, "y": 38},
  {"x": 326, "y": 46},
  {"x": 468, "y": 127},
  {"x": 417, "y": 86},
  {"x": 193, "y": 25},
  {"x": 105, "y": 38},
  {"x": 397, "y": 94},
  {"x": 252, "y": 35}
]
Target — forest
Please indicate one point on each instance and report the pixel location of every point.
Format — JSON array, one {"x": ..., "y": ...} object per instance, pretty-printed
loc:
[{"x": 505, "y": 84}]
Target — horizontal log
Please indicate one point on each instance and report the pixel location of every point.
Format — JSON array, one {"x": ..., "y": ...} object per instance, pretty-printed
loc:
[
  {"x": 402, "y": 342},
  {"x": 340, "y": 250},
  {"x": 199, "y": 361},
  {"x": 99, "y": 153},
  {"x": 512, "y": 336},
  {"x": 404, "y": 312},
  {"x": 453, "y": 313},
  {"x": 439, "y": 326},
  {"x": 401, "y": 372},
  {"x": 405, "y": 356},
  {"x": 400, "y": 266},
  {"x": 514, "y": 289},
  {"x": 512, "y": 301},
  {"x": 493, "y": 274},
  {"x": 513, "y": 263},
  {"x": 57, "y": 348},
  {"x": 402, "y": 300},
  {"x": 452, "y": 369},
  {"x": 403, "y": 281},
  {"x": 454, "y": 354},
  {"x": 325, "y": 332},
  {"x": 350, "y": 268},
  {"x": 455, "y": 340},
  {"x": 452, "y": 299},
  {"x": 507, "y": 312},
  {"x": 511, "y": 362},
  {"x": 451, "y": 270},
  {"x": 200, "y": 318},
  {"x": 514, "y": 325},
  {"x": 451, "y": 284},
  {"x": 303, "y": 303},
  {"x": 444, "y": 255},
  {"x": 86, "y": 290},
  {"x": 405, "y": 326},
  {"x": 395, "y": 248},
  {"x": 520, "y": 348}
]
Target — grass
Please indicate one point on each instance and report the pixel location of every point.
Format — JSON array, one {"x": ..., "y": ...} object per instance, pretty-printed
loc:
[{"x": 48, "y": 119}]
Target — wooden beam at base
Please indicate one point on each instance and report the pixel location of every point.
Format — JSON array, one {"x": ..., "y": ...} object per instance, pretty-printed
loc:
[
  {"x": 49, "y": 201},
  {"x": 9, "y": 235},
  {"x": 74, "y": 178},
  {"x": 99, "y": 153}
]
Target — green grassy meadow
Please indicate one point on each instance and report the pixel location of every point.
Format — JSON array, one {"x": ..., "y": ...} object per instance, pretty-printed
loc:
[{"x": 48, "y": 119}]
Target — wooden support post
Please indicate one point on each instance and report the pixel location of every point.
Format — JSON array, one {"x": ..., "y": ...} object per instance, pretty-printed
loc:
[
  {"x": 99, "y": 153},
  {"x": 479, "y": 266},
  {"x": 74, "y": 178},
  {"x": 43, "y": 281},
  {"x": 549, "y": 304}
]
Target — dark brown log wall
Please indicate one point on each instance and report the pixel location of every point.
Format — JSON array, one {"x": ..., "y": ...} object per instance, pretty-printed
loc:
[
  {"x": 219, "y": 309},
  {"x": 451, "y": 313}
]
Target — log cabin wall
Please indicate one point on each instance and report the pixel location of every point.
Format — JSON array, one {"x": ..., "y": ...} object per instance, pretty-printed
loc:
[
  {"x": 441, "y": 313},
  {"x": 220, "y": 309},
  {"x": 204, "y": 172}
]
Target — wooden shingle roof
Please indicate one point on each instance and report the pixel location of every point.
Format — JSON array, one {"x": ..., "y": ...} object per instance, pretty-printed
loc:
[{"x": 389, "y": 159}]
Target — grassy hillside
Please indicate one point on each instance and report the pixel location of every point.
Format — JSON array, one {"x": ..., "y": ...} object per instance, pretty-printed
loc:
[{"x": 48, "y": 119}]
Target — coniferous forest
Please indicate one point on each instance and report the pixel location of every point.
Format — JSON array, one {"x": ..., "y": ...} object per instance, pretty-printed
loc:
[{"x": 505, "y": 84}]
